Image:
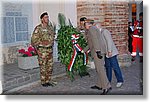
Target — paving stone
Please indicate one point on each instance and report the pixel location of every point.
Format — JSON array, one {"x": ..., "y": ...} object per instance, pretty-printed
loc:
[{"x": 132, "y": 84}]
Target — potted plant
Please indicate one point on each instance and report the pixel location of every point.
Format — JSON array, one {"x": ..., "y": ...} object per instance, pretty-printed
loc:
[{"x": 27, "y": 58}]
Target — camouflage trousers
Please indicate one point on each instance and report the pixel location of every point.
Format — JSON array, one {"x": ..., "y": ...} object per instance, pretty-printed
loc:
[{"x": 45, "y": 58}]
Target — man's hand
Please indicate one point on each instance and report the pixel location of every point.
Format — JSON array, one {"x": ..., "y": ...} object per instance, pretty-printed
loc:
[
  {"x": 99, "y": 54},
  {"x": 109, "y": 54}
]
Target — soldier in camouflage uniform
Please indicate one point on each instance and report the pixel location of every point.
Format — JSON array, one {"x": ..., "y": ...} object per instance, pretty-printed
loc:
[{"x": 43, "y": 39}]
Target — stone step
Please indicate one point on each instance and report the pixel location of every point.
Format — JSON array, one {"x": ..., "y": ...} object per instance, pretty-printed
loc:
[{"x": 14, "y": 77}]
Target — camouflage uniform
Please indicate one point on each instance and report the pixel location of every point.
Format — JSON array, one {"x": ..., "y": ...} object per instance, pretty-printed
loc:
[{"x": 43, "y": 39}]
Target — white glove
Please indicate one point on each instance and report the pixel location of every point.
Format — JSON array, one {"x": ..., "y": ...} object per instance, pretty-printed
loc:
[{"x": 82, "y": 51}]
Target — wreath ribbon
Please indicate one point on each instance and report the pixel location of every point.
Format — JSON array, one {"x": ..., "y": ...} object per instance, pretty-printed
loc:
[{"x": 76, "y": 50}]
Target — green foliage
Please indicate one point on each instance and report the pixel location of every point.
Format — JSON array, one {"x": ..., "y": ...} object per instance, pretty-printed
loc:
[
  {"x": 65, "y": 49},
  {"x": 62, "y": 19}
]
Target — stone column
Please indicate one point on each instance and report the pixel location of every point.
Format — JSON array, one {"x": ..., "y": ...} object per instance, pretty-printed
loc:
[
  {"x": 71, "y": 11},
  {"x": 35, "y": 13},
  {"x": 130, "y": 12}
]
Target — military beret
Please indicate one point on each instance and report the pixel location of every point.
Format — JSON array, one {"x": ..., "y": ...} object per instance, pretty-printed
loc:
[
  {"x": 43, "y": 14},
  {"x": 83, "y": 19},
  {"x": 89, "y": 21}
]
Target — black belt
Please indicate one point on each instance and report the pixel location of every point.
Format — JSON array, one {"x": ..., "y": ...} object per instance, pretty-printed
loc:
[{"x": 45, "y": 47}]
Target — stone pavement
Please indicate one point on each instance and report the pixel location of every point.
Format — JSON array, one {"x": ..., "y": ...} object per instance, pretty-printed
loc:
[
  {"x": 133, "y": 84},
  {"x": 14, "y": 77}
]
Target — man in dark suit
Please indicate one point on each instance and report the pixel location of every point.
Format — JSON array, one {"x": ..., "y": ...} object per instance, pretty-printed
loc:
[{"x": 130, "y": 33}]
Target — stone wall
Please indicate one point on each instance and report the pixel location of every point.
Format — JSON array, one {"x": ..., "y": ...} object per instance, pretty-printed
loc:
[
  {"x": 9, "y": 54},
  {"x": 16, "y": 27},
  {"x": 113, "y": 15}
]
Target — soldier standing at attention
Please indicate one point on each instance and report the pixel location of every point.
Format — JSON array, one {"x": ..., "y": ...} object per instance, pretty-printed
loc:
[{"x": 43, "y": 39}]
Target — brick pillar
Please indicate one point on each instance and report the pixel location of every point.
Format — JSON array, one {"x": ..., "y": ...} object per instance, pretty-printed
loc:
[{"x": 113, "y": 15}]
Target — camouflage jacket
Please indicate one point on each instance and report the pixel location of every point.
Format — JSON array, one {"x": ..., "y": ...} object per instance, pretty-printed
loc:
[{"x": 42, "y": 36}]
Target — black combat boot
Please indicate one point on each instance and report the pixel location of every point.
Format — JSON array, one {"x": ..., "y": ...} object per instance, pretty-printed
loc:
[
  {"x": 141, "y": 59},
  {"x": 133, "y": 58},
  {"x": 45, "y": 85}
]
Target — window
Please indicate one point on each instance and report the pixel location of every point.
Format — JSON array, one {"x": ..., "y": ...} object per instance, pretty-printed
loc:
[{"x": 15, "y": 28}]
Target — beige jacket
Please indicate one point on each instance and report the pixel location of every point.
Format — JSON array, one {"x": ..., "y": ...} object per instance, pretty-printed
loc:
[{"x": 100, "y": 40}]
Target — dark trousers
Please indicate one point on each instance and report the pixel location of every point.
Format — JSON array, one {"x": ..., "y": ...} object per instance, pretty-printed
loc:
[
  {"x": 112, "y": 63},
  {"x": 130, "y": 44}
]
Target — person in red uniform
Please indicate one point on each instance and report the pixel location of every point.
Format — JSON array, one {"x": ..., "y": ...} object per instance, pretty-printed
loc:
[{"x": 137, "y": 41}]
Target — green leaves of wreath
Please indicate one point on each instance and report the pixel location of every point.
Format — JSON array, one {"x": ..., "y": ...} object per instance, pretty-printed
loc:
[{"x": 65, "y": 49}]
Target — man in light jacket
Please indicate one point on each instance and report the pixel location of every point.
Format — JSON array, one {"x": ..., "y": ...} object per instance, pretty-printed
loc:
[{"x": 111, "y": 51}]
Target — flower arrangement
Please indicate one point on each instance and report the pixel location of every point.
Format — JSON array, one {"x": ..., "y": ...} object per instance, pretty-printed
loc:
[
  {"x": 27, "y": 52},
  {"x": 65, "y": 49}
]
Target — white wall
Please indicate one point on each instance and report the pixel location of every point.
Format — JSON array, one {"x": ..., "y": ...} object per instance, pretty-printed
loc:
[
  {"x": 71, "y": 11},
  {"x": 67, "y": 7}
]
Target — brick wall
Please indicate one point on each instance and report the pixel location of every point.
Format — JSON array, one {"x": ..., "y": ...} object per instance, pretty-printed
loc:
[{"x": 112, "y": 15}]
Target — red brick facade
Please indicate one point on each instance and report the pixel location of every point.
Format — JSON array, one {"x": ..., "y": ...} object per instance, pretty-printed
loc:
[{"x": 113, "y": 15}]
